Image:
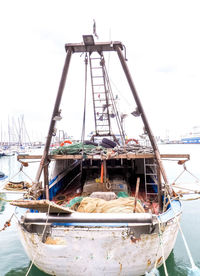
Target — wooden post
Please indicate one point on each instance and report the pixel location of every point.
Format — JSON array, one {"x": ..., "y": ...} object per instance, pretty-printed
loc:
[
  {"x": 55, "y": 113},
  {"x": 159, "y": 190},
  {"x": 136, "y": 193},
  {"x": 46, "y": 181},
  {"x": 104, "y": 171}
]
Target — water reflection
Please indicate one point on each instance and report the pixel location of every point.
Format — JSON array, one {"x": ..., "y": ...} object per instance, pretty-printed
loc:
[
  {"x": 174, "y": 267},
  {"x": 14, "y": 261},
  {"x": 2, "y": 202},
  {"x": 22, "y": 271}
]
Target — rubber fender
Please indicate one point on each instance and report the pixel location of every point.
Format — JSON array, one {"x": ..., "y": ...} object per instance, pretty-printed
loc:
[
  {"x": 88, "y": 142},
  {"x": 111, "y": 143},
  {"x": 105, "y": 145}
]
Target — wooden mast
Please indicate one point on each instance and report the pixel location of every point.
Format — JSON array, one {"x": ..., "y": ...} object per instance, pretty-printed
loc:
[
  {"x": 142, "y": 113},
  {"x": 115, "y": 46},
  {"x": 56, "y": 112}
]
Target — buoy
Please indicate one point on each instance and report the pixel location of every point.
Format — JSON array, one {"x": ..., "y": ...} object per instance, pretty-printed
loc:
[
  {"x": 132, "y": 140},
  {"x": 66, "y": 142}
]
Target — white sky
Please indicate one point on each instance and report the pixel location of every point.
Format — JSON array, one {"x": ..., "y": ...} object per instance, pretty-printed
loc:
[{"x": 163, "y": 50}]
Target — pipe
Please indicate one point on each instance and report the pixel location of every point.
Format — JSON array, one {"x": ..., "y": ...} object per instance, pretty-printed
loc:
[{"x": 144, "y": 218}]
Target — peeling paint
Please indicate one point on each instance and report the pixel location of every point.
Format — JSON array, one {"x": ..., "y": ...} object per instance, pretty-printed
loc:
[
  {"x": 56, "y": 241},
  {"x": 134, "y": 240},
  {"x": 120, "y": 267},
  {"x": 148, "y": 262},
  {"x": 111, "y": 248},
  {"x": 159, "y": 260}
]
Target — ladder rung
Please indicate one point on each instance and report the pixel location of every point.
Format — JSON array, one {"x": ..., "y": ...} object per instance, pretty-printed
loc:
[
  {"x": 97, "y": 76},
  {"x": 152, "y": 184},
  {"x": 99, "y": 107},
  {"x": 100, "y": 100},
  {"x": 96, "y": 67},
  {"x": 98, "y": 84},
  {"x": 102, "y": 113},
  {"x": 99, "y": 92}
]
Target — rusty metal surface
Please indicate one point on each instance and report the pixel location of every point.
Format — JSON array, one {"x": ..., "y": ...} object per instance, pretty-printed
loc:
[
  {"x": 122, "y": 156},
  {"x": 99, "y": 250},
  {"x": 98, "y": 47}
]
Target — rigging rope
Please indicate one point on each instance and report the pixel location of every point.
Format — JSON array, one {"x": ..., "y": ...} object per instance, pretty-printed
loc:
[
  {"x": 186, "y": 170},
  {"x": 154, "y": 271},
  {"x": 84, "y": 112},
  {"x": 21, "y": 170}
]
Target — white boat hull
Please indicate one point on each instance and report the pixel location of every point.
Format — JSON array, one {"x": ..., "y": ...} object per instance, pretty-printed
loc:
[{"x": 98, "y": 250}]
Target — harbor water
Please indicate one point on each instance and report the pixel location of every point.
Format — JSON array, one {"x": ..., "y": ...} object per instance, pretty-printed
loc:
[{"x": 14, "y": 261}]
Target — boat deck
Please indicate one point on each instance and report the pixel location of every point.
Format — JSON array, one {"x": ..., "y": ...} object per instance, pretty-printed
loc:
[{"x": 106, "y": 156}]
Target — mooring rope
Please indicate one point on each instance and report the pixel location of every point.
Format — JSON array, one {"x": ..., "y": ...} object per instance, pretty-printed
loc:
[
  {"x": 45, "y": 226},
  {"x": 7, "y": 223},
  {"x": 154, "y": 271},
  {"x": 193, "y": 266},
  {"x": 162, "y": 248},
  {"x": 186, "y": 170}
]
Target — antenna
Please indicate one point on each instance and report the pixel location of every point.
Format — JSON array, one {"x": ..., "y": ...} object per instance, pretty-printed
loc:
[{"x": 94, "y": 29}]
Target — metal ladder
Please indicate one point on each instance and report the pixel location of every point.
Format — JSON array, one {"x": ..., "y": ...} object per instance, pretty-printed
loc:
[
  {"x": 151, "y": 177},
  {"x": 103, "y": 100},
  {"x": 100, "y": 94}
]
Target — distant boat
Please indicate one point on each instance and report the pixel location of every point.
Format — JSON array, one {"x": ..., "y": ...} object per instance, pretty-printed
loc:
[
  {"x": 2, "y": 176},
  {"x": 193, "y": 137},
  {"x": 2, "y": 153},
  {"x": 124, "y": 236}
]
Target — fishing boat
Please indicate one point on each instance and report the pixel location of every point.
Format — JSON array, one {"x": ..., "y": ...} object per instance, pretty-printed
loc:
[
  {"x": 107, "y": 207},
  {"x": 3, "y": 178}
]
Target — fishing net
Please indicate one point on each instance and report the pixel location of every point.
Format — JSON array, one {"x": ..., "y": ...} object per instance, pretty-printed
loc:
[
  {"x": 98, "y": 205},
  {"x": 78, "y": 148},
  {"x": 75, "y": 200},
  {"x": 122, "y": 194}
]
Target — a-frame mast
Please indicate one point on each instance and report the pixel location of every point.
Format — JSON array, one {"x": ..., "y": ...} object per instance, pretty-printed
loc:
[{"x": 94, "y": 47}]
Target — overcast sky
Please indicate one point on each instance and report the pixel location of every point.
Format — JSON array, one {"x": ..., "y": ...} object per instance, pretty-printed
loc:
[{"x": 163, "y": 50}]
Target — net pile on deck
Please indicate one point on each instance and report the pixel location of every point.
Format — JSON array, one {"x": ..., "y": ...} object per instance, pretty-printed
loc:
[
  {"x": 80, "y": 148},
  {"x": 98, "y": 205},
  {"x": 84, "y": 205}
]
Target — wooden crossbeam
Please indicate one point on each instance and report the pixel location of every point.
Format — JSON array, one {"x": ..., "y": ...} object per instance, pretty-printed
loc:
[{"x": 98, "y": 156}]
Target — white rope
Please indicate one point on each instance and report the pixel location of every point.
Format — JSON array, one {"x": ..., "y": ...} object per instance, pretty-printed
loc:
[
  {"x": 154, "y": 271},
  {"x": 186, "y": 170},
  {"x": 21, "y": 170},
  {"x": 183, "y": 237},
  {"x": 41, "y": 239},
  {"x": 162, "y": 248}
]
